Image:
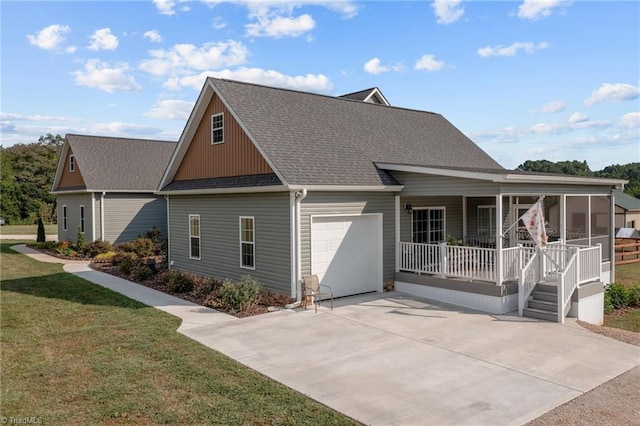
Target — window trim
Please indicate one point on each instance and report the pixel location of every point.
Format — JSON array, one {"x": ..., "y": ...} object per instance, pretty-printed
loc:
[
  {"x": 64, "y": 217},
  {"x": 191, "y": 256},
  {"x": 444, "y": 222},
  {"x": 221, "y": 128},
  {"x": 82, "y": 219},
  {"x": 242, "y": 242},
  {"x": 493, "y": 221},
  {"x": 72, "y": 163}
]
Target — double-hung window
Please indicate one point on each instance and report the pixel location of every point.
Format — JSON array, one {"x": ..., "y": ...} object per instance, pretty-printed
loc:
[
  {"x": 486, "y": 221},
  {"x": 72, "y": 163},
  {"x": 194, "y": 236},
  {"x": 428, "y": 225},
  {"x": 82, "y": 219},
  {"x": 247, "y": 242},
  {"x": 64, "y": 217},
  {"x": 217, "y": 128}
]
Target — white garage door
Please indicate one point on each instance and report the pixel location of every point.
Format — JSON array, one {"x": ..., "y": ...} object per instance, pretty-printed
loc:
[{"x": 346, "y": 253}]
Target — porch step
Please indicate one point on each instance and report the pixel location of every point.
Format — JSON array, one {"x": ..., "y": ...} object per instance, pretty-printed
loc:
[
  {"x": 545, "y": 296},
  {"x": 540, "y": 314},
  {"x": 547, "y": 287},
  {"x": 543, "y": 305}
]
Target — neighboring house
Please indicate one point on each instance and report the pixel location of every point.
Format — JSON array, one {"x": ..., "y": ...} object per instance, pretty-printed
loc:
[
  {"x": 278, "y": 184},
  {"x": 106, "y": 187},
  {"x": 627, "y": 211}
]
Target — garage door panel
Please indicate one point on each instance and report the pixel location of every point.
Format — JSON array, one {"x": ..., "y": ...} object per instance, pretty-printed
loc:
[{"x": 346, "y": 253}]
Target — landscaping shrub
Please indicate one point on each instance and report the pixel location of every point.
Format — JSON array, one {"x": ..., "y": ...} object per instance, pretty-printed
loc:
[
  {"x": 141, "y": 271},
  {"x": 160, "y": 244},
  {"x": 106, "y": 257},
  {"x": 204, "y": 287},
  {"x": 125, "y": 261},
  {"x": 239, "y": 297},
  {"x": 41, "y": 237},
  {"x": 178, "y": 282},
  {"x": 97, "y": 247},
  {"x": 80, "y": 240},
  {"x": 142, "y": 247},
  {"x": 618, "y": 296}
]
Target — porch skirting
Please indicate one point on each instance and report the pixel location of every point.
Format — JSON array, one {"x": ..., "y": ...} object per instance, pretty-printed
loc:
[{"x": 469, "y": 294}]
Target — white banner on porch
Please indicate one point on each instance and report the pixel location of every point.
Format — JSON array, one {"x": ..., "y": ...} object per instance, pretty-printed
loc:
[{"x": 534, "y": 222}]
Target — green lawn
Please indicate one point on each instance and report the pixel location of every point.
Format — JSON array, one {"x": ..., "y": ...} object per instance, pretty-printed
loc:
[
  {"x": 629, "y": 319},
  {"x": 27, "y": 229},
  {"x": 75, "y": 353}
]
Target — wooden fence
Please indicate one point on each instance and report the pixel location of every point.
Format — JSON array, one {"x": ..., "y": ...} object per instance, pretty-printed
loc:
[{"x": 627, "y": 250}]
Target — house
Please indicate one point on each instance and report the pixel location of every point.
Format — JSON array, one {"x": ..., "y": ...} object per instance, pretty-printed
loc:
[
  {"x": 279, "y": 183},
  {"x": 627, "y": 211},
  {"x": 106, "y": 187}
]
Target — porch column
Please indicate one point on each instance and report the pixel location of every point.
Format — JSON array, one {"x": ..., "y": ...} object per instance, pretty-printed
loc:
[
  {"x": 612, "y": 243},
  {"x": 499, "y": 274},
  {"x": 397, "y": 239},
  {"x": 589, "y": 219},
  {"x": 464, "y": 218},
  {"x": 563, "y": 218}
]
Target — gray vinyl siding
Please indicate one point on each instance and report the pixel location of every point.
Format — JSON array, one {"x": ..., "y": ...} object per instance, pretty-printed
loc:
[
  {"x": 540, "y": 189},
  {"x": 453, "y": 214},
  {"x": 418, "y": 184},
  {"x": 73, "y": 203},
  {"x": 331, "y": 203},
  {"x": 127, "y": 216},
  {"x": 219, "y": 236}
]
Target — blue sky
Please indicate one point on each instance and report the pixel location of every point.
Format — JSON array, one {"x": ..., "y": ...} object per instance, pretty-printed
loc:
[{"x": 526, "y": 80}]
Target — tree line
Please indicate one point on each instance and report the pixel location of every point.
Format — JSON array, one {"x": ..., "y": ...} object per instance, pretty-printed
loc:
[{"x": 28, "y": 170}]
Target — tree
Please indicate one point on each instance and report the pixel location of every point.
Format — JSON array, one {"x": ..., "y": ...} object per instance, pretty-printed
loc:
[{"x": 41, "y": 238}]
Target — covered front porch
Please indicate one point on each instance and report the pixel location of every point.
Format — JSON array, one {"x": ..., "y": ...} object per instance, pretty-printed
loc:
[{"x": 460, "y": 240}]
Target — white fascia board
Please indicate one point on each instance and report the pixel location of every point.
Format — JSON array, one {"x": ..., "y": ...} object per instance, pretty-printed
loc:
[
  {"x": 492, "y": 177},
  {"x": 378, "y": 93},
  {"x": 245, "y": 189},
  {"x": 578, "y": 180},
  {"x": 348, "y": 188},
  {"x": 59, "y": 169}
]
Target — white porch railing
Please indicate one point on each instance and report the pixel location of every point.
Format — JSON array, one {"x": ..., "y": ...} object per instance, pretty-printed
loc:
[
  {"x": 567, "y": 284},
  {"x": 528, "y": 278}
]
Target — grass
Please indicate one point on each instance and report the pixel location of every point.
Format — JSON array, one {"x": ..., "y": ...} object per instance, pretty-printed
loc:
[
  {"x": 74, "y": 352},
  {"x": 629, "y": 318},
  {"x": 27, "y": 229}
]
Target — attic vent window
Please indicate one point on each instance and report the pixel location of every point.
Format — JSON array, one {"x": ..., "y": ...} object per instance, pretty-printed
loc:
[
  {"x": 217, "y": 128},
  {"x": 72, "y": 163}
]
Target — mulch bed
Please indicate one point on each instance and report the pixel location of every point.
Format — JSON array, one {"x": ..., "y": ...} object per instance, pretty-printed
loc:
[{"x": 267, "y": 301}]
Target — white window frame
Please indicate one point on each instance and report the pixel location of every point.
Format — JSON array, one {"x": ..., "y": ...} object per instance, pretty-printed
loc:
[
  {"x": 82, "y": 218},
  {"x": 65, "y": 217},
  {"x": 492, "y": 220},
  {"x": 444, "y": 223},
  {"x": 246, "y": 242},
  {"x": 214, "y": 129},
  {"x": 72, "y": 163},
  {"x": 191, "y": 256}
]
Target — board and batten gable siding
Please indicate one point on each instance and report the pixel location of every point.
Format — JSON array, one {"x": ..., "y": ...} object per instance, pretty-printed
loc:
[
  {"x": 433, "y": 185},
  {"x": 128, "y": 216},
  {"x": 220, "y": 238},
  {"x": 236, "y": 156},
  {"x": 453, "y": 214},
  {"x": 70, "y": 179},
  {"x": 349, "y": 203},
  {"x": 73, "y": 203}
]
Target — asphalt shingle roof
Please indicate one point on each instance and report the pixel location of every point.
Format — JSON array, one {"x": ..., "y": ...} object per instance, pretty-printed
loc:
[
  {"x": 267, "y": 179},
  {"x": 360, "y": 95},
  {"x": 322, "y": 140},
  {"x": 120, "y": 164},
  {"x": 626, "y": 201}
]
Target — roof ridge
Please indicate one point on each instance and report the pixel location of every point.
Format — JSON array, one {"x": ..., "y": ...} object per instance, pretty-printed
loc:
[
  {"x": 337, "y": 98},
  {"x": 120, "y": 138}
]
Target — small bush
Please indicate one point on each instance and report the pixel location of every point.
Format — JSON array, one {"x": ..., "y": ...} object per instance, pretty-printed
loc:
[
  {"x": 125, "y": 261},
  {"x": 63, "y": 245},
  {"x": 142, "y": 247},
  {"x": 634, "y": 296},
  {"x": 41, "y": 237},
  {"x": 154, "y": 234},
  {"x": 108, "y": 256},
  {"x": 97, "y": 247},
  {"x": 618, "y": 295},
  {"x": 177, "y": 282},
  {"x": 141, "y": 271},
  {"x": 239, "y": 297},
  {"x": 80, "y": 239},
  {"x": 204, "y": 287}
]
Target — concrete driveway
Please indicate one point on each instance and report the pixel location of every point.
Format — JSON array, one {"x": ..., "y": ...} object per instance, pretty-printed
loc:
[{"x": 392, "y": 359}]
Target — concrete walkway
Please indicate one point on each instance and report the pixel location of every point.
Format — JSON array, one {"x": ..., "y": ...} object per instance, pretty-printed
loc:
[
  {"x": 192, "y": 315},
  {"x": 26, "y": 237},
  {"x": 392, "y": 359}
]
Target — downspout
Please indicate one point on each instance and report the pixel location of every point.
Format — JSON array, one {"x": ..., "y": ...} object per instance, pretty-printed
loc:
[
  {"x": 299, "y": 196},
  {"x": 166, "y": 197},
  {"x": 102, "y": 215}
]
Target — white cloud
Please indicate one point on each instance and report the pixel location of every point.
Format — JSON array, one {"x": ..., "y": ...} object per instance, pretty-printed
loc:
[
  {"x": 537, "y": 9},
  {"x": 170, "y": 110},
  {"x": 99, "y": 75},
  {"x": 500, "y": 50},
  {"x": 184, "y": 58},
  {"x": 373, "y": 67},
  {"x": 429, "y": 63},
  {"x": 552, "y": 107},
  {"x": 153, "y": 35},
  {"x": 447, "y": 11},
  {"x": 102, "y": 39},
  {"x": 280, "y": 26},
  {"x": 630, "y": 120},
  {"x": 50, "y": 37},
  {"x": 311, "y": 82},
  {"x": 165, "y": 7},
  {"x": 577, "y": 117},
  {"x": 219, "y": 23},
  {"x": 71, "y": 49},
  {"x": 613, "y": 93},
  {"x": 117, "y": 128},
  {"x": 6, "y": 116}
]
